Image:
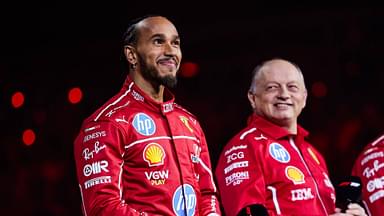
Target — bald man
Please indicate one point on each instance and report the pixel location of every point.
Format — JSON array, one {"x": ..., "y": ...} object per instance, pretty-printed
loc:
[{"x": 269, "y": 168}]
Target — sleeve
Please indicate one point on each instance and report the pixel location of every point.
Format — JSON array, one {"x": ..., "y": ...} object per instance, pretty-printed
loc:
[
  {"x": 98, "y": 152},
  {"x": 209, "y": 204},
  {"x": 370, "y": 168},
  {"x": 240, "y": 176}
]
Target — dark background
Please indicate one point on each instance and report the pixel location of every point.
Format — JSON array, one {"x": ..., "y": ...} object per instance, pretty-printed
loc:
[{"x": 46, "y": 49}]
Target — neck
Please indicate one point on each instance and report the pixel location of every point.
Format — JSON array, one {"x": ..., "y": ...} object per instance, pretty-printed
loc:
[
  {"x": 154, "y": 91},
  {"x": 288, "y": 124},
  {"x": 292, "y": 128}
]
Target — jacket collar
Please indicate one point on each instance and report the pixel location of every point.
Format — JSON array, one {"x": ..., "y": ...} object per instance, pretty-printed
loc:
[
  {"x": 136, "y": 93},
  {"x": 272, "y": 129}
]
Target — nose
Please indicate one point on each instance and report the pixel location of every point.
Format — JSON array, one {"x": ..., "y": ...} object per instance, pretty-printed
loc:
[
  {"x": 170, "y": 49},
  {"x": 283, "y": 93}
]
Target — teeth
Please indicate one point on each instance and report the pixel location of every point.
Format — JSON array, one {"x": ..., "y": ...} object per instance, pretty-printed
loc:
[
  {"x": 167, "y": 63},
  {"x": 282, "y": 105}
]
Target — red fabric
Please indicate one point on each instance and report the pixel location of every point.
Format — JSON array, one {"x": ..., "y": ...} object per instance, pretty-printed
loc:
[
  {"x": 264, "y": 164},
  {"x": 369, "y": 166},
  {"x": 134, "y": 154}
]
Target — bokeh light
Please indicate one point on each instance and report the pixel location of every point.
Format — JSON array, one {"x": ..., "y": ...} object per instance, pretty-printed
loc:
[
  {"x": 17, "y": 99},
  {"x": 29, "y": 137},
  {"x": 319, "y": 89},
  {"x": 75, "y": 95},
  {"x": 189, "y": 69}
]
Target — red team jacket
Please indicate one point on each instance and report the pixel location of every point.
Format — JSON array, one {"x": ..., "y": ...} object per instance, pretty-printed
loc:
[
  {"x": 264, "y": 165},
  {"x": 135, "y": 156},
  {"x": 369, "y": 166}
]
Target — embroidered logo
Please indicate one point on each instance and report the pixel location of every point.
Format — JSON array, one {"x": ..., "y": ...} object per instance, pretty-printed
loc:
[
  {"x": 295, "y": 175},
  {"x": 154, "y": 154},
  {"x": 279, "y": 153},
  {"x": 186, "y": 122},
  {"x": 144, "y": 124},
  {"x": 184, "y": 200},
  {"x": 313, "y": 156}
]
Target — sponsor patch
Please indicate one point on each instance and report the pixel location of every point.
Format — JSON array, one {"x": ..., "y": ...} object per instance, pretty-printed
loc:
[
  {"x": 327, "y": 181},
  {"x": 301, "y": 194},
  {"x": 236, "y": 165},
  {"x": 137, "y": 96},
  {"x": 184, "y": 206},
  {"x": 154, "y": 154},
  {"x": 167, "y": 107},
  {"x": 235, "y": 156},
  {"x": 375, "y": 196},
  {"x": 195, "y": 157},
  {"x": 122, "y": 119},
  {"x": 313, "y": 155},
  {"x": 372, "y": 156},
  {"x": 91, "y": 128},
  {"x": 157, "y": 177},
  {"x": 295, "y": 175},
  {"x": 236, "y": 178},
  {"x": 234, "y": 148},
  {"x": 261, "y": 137},
  {"x": 144, "y": 124},
  {"x": 96, "y": 181},
  {"x": 368, "y": 172},
  {"x": 279, "y": 153},
  {"x": 377, "y": 183},
  {"x": 89, "y": 153},
  {"x": 185, "y": 122},
  {"x": 94, "y": 135},
  {"x": 95, "y": 168}
]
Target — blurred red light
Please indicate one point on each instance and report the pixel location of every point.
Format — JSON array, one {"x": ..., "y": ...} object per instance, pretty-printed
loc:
[
  {"x": 319, "y": 89},
  {"x": 29, "y": 137},
  {"x": 75, "y": 95},
  {"x": 17, "y": 99},
  {"x": 189, "y": 69}
]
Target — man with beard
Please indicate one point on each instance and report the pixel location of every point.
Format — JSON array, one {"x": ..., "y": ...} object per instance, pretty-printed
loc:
[{"x": 141, "y": 153}]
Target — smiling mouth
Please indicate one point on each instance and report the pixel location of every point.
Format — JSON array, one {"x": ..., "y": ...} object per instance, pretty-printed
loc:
[
  {"x": 167, "y": 61},
  {"x": 282, "y": 105},
  {"x": 168, "y": 64}
]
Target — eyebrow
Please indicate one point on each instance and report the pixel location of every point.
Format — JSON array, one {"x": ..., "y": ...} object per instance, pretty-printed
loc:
[{"x": 176, "y": 37}]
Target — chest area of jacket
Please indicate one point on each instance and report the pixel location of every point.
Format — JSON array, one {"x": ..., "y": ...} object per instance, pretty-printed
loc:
[
  {"x": 294, "y": 170},
  {"x": 154, "y": 140},
  {"x": 287, "y": 161}
]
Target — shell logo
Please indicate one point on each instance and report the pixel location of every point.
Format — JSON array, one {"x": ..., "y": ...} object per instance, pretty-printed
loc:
[
  {"x": 295, "y": 175},
  {"x": 154, "y": 154},
  {"x": 313, "y": 156}
]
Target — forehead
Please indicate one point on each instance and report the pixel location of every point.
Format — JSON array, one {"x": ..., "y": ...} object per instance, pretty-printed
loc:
[
  {"x": 156, "y": 26},
  {"x": 281, "y": 72}
]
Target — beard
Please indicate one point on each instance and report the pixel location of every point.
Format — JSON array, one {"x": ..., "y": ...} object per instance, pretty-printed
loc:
[{"x": 151, "y": 74}]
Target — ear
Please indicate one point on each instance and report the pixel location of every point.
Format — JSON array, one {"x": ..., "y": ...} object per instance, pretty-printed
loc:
[
  {"x": 305, "y": 98},
  {"x": 251, "y": 98},
  {"x": 130, "y": 54}
]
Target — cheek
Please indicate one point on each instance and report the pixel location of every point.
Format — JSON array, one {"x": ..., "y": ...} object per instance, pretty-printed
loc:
[
  {"x": 148, "y": 55},
  {"x": 301, "y": 103}
]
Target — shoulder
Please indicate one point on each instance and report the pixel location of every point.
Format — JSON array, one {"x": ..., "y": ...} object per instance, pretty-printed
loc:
[
  {"x": 248, "y": 136},
  {"x": 115, "y": 110},
  {"x": 183, "y": 110},
  {"x": 373, "y": 150},
  {"x": 251, "y": 134},
  {"x": 379, "y": 142},
  {"x": 374, "y": 146}
]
